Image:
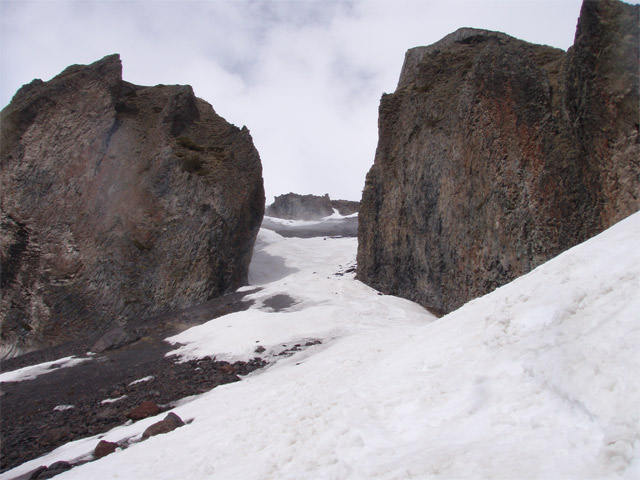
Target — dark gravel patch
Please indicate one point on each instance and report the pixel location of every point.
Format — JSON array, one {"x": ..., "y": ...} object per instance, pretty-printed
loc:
[
  {"x": 30, "y": 425},
  {"x": 279, "y": 302}
]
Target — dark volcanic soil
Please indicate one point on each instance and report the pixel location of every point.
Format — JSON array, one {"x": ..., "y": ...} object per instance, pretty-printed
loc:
[{"x": 30, "y": 425}]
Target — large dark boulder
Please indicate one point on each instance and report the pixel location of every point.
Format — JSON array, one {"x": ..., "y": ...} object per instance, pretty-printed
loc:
[
  {"x": 495, "y": 155},
  {"x": 118, "y": 201}
]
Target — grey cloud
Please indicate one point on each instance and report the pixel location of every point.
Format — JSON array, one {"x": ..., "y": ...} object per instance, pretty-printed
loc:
[{"x": 304, "y": 76}]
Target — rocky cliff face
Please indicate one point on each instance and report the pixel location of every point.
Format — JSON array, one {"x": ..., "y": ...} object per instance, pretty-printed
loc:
[
  {"x": 292, "y": 206},
  {"x": 602, "y": 103},
  {"x": 495, "y": 155},
  {"x": 118, "y": 201}
]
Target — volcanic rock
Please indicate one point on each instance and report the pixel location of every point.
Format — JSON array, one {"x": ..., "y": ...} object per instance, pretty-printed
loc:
[
  {"x": 118, "y": 202},
  {"x": 36, "y": 473},
  {"x": 115, "y": 337},
  {"x": 168, "y": 424},
  {"x": 104, "y": 448},
  {"x": 144, "y": 410},
  {"x": 495, "y": 155},
  {"x": 345, "y": 207},
  {"x": 49, "y": 472},
  {"x": 292, "y": 206}
]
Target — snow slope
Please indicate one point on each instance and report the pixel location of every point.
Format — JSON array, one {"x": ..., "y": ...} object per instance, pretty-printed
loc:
[
  {"x": 538, "y": 379},
  {"x": 27, "y": 373}
]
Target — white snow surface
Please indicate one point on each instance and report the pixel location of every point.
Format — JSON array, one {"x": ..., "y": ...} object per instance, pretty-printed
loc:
[
  {"x": 537, "y": 380},
  {"x": 327, "y": 306},
  {"x": 27, "y": 373},
  {"x": 336, "y": 215},
  {"x": 113, "y": 400},
  {"x": 143, "y": 379},
  {"x": 62, "y": 408}
]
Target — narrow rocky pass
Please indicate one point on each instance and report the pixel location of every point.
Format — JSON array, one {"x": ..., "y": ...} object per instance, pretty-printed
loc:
[
  {"x": 126, "y": 366},
  {"x": 520, "y": 383}
]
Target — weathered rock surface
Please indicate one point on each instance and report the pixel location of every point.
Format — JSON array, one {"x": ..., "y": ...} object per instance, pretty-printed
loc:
[
  {"x": 166, "y": 425},
  {"x": 292, "y": 206},
  {"x": 49, "y": 472},
  {"x": 146, "y": 409},
  {"x": 104, "y": 448},
  {"x": 118, "y": 201},
  {"x": 346, "y": 207},
  {"x": 495, "y": 155},
  {"x": 115, "y": 337}
]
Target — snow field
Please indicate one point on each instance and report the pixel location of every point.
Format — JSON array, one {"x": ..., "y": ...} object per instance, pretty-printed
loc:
[
  {"x": 32, "y": 371},
  {"x": 327, "y": 306},
  {"x": 537, "y": 380}
]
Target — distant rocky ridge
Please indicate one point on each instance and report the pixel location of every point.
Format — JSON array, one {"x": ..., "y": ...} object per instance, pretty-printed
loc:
[
  {"x": 292, "y": 206},
  {"x": 118, "y": 202},
  {"x": 495, "y": 155}
]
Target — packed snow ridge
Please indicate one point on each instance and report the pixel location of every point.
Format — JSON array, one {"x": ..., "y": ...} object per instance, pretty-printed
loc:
[{"x": 538, "y": 379}]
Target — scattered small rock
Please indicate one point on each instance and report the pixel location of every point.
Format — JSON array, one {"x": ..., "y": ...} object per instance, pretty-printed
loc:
[
  {"x": 145, "y": 409},
  {"x": 228, "y": 369},
  {"x": 54, "y": 436},
  {"x": 168, "y": 424},
  {"x": 51, "y": 471},
  {"x": 106, "y": 413},
  {"x": 27, "y": 432},
  {"x": 260, "y": 349},
  {"x": 104, "y": 448},
  {"x": 36, "y": 473}
]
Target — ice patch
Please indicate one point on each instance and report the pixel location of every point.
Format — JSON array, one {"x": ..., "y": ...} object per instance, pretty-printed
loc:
[
  {"x": 143, "y": 379},
  {"x": 113, "y": 400},
  {"x": 61, "y": 408}
]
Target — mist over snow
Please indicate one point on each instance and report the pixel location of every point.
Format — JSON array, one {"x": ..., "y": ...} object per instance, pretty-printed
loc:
[
  {"x": 304, "y": 76},
  {"x": 539, "y": 379}
]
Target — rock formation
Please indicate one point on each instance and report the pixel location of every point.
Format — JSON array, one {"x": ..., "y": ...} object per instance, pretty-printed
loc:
[
  {"x": 346, "y": 207},
  {"x": 495, "y": 155},
  {"x": 118, "y": 201},
  {"x": 166, "y": 425},
  {"x": 292, "y": 206}
]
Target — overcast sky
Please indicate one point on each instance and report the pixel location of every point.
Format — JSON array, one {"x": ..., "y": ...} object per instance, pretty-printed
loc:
[{"x": 304, "y": 76}]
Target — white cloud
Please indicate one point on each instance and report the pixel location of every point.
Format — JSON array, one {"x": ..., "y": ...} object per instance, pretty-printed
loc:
[{"x": 304, "y": 76}]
